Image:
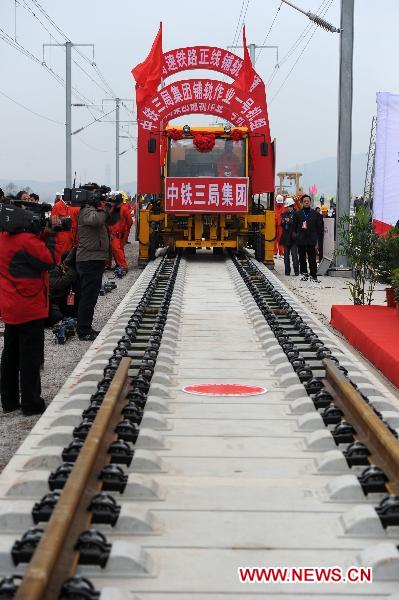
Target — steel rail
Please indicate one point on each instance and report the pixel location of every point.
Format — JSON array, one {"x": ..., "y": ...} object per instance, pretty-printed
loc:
[
  {"x": 55, "y": 557},
  {"x": 370, "y": 429}
]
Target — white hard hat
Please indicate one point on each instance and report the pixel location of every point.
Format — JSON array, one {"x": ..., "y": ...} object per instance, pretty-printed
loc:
[
  {"x": 279, "y": 199},
  {"x": 289, "y": 202}
]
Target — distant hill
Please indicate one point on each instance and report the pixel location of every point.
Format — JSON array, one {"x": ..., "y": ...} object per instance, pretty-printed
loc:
[
  {"x": 323, "y": 173},
  {"x": 48, "y": 189}
]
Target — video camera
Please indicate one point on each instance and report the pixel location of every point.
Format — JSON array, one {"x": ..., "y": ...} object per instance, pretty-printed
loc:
[
  {"x": 89, "y": 194},
  {"x": 23, "y": 216},
  {"x": 20, "y": 216}
]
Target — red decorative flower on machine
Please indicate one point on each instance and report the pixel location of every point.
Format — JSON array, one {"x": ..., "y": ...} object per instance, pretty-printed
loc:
[
  {"x": 236, "y": 135},
  {"x": 175, "y": 134},
  {"x": 204, "y": 141}
]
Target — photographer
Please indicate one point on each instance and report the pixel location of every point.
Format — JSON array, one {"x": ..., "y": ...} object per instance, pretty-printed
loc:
[
  {"x": 27, "y": 253},
  {"x": 92, "y": 253}
]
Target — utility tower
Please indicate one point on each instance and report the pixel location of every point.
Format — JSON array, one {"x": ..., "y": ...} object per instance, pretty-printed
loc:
[
  {"x": 68, "y": 106},
  {"x": 368, "y": 193}
]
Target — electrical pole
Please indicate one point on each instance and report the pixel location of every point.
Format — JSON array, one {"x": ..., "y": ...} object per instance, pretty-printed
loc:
[
  {"x": 252, "y": 49},
  {"x": 345, "y": 119},
  {"x": 118, "y": 102},
  {"x": 68, "y": 106},
  {"x": 68, "y": 116}
]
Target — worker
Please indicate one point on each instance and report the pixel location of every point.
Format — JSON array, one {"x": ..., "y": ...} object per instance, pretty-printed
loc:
[
  {"x": 228, "y": 164},
  {"x": 117, "y": 231},
  {"x": 279, "y": 208},
  {"x": 126, "y": 214},
  {"x": 65, "y": 240},
  {"x": 290, "y": 247},
  {"x": 27, "y": 253}
]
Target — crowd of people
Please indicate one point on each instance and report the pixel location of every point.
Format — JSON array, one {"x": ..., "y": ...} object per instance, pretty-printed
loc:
[
  {"x": 300, "y": 235},
  {"x": 52, "y": 262}
]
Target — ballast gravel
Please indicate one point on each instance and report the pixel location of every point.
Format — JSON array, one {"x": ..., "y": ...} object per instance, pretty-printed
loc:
[{"x": 60, "y": 360}]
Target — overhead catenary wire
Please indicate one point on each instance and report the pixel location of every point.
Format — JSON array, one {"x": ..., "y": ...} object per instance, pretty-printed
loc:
[
  {"x": 20, "y": 48},
  {"x": 75, "y": 62},
  {"x": 269, "y": 30},
  {"x": 108, "y": 90},
  {"x": 299, "y": 57},
  {"x": 30, "y": 110},
  {"x": 77, "y": 50},
  {"x": 88, "y": 102},
  {"x": 90, "y": 146},
  {"x": 323, "y": 8}
]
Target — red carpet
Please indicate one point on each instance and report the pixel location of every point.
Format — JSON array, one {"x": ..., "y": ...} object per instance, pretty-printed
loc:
[{"x": 374, "y": 330}]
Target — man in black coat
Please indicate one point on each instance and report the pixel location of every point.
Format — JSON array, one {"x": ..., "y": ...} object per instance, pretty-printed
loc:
[
  {"x": 306, "y": 229},
  {"x": 290, "y": 247}
]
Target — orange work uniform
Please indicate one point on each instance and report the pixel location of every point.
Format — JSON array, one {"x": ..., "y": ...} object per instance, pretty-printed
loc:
[
  {"x": 126, "y": 215},
  {"x": 117, "y": 235},
  {"x": 66, "y": 240}
]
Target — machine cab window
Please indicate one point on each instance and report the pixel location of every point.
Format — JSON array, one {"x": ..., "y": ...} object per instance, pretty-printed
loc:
[{"x": 226, "y": 159}]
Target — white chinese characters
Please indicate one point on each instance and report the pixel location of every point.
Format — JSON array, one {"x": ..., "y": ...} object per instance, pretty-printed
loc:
[{"x": 206, "y": 194}]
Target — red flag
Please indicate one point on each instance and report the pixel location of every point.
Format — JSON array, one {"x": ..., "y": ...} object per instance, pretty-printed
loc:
[
  {"x": 148, "y": 73},
  {"x": 245, "y": 78}
]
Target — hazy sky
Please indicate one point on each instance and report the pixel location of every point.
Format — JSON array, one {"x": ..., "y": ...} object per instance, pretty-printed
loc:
[{"x": 303, "y": 113}]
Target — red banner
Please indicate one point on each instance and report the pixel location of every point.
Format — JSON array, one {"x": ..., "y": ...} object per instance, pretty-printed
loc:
[
  {"x": 202, "y": 96},
  {"x": 241, "y": 107},
  {"x": 206, "y": 194}
]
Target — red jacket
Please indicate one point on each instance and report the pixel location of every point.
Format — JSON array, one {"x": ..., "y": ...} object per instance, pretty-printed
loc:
[{"x": 24, "y": 262}]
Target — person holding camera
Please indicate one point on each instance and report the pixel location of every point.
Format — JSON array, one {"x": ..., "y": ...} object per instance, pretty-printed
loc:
[
  {"x": 92, "y": 252},
  {"x": 27, "y": 253}
]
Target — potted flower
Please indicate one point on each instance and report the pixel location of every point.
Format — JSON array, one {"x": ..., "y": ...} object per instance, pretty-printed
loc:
[{"x": 395, "y": 286}]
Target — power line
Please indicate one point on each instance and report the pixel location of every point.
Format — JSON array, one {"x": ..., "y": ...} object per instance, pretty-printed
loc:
[
  {"x": 95, "y": 120},
  {"x": 270, "y": 28},
  {"x": 238, "y": 25},
  {"x": 90, "y": 146},
  {"x": 301, "y": 38},
  {"x": 30, "y": 110},
  {"x": 34, "y": 15},
  {"x": 79, "y": 52},
  {"x": 300, "y": 55},
  {"x": 17, "y": 46}
]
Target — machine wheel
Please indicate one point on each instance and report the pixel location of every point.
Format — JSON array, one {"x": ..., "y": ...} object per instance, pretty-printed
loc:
[
  {"x": 172, "y": 247},
  {"x": 191, "y": 250},
  {"x": 259, "y": 247},
  {"x": 217, "y": 251},
  {"x": 153, "y": 245}
]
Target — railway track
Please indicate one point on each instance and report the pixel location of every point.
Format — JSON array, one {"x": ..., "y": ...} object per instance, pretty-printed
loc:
[{"x": 161, "y": 493}]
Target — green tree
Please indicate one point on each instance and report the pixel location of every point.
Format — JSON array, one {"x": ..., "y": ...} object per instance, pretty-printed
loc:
[{"x": 358, "y": 244}]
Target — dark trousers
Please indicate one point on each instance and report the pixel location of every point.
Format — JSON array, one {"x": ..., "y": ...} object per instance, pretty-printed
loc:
[
  {"x": 291, "y": 251},
  {"x": 320, "y": 248},
  {"x": 90, "y": 279},
  {"x": 308, "y": 252},
  {"x": 20, "y": 365}
]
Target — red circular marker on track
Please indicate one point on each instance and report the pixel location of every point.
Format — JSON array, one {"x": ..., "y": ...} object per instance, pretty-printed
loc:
[{"x": 224, "y": 389}]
